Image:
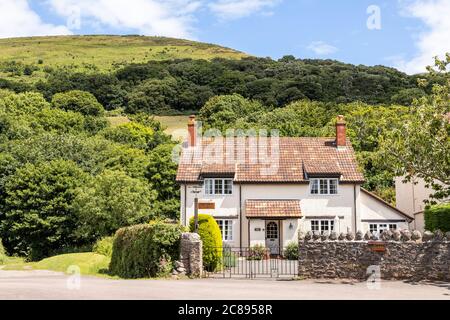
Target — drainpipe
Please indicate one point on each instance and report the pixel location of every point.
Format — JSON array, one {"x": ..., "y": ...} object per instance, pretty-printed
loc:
[
  {"x": 240, "y": 217},
  {"x": 354, "y": 204},
  {"x": 184, "y": 211}
]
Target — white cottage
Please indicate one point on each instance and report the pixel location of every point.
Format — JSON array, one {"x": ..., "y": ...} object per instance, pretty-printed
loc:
[{"x": 262, "y": 197}]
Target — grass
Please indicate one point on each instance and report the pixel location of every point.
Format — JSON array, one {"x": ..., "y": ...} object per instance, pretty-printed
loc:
[
  {"x": 101, "y": 52},
  {"x": 90, "y": 263},
  {"x": 175, "y": 125}
]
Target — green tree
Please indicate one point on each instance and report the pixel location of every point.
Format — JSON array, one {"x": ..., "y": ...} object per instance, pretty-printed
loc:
[
  {"x": 110, "y": 201},
  {"x": 153, "y": 96},
  {"x": 134, "y": 134},
  {"x": 78, "y": 101},
  {"x": 420, "y": 147},
  {"x": 161, "y": 173},
  {"x": 38, "y": 208},
  {"x": 221, "y": 112}
]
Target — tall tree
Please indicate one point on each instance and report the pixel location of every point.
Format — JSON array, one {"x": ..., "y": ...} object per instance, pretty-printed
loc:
[{"x": 420, "y": 147}]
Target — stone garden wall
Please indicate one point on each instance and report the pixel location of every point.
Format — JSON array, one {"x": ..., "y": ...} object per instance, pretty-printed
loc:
[
  {"x": 397, "y": 255},
  {"x": 191, "y": 255}
]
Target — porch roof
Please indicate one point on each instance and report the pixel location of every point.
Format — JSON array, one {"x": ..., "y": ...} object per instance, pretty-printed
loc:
[{"x": 259, "y": 208}]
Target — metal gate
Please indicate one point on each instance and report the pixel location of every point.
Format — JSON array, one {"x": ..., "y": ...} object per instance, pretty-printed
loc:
[{"x": 252, "y": 262}]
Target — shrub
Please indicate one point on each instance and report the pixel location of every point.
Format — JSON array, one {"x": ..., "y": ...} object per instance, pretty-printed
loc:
[
  {"x": 291, "y": 251},
  {"x": 209, "y": 232},
  {"x": 257, "y": 252},
  {"x": 145, "y": 250},
  {"x": 438, "y": 217},
  {"x": 78, "y": 101},
  {"x": 2, "y": 253},
  {"x": 104, "y": 246}
]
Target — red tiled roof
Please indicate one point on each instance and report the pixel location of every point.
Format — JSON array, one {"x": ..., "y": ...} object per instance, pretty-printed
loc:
[
  {"x": 297, "y": 157},
  {"x": 272, "y": 209}
]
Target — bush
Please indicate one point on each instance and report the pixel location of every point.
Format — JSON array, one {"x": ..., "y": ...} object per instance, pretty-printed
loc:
[
  {"x": 291, "y": 251},
  {"x": 209, "y": 232},
  {"x": 104, "y": 246},
  {"x": 78, "y": 101},
  {"x": 438, "y": 217},
  {"x": 145, "y": 250},
  {"x": 2, "y": 253},
  {"x": 257, "y": 252}
]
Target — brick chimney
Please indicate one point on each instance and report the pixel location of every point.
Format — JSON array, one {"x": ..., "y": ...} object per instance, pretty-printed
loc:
[
  {"x": 191, "y": 131},
  {"x": 340, "y": 132}
]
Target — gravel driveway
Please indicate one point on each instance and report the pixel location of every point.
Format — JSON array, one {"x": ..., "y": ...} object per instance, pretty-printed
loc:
[{"x": 52, "y": 285}]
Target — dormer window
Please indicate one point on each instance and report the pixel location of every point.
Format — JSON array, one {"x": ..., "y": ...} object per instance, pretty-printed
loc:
[
  {"x": 218, "y": 186},
  {"x": 323, "y": 186}
]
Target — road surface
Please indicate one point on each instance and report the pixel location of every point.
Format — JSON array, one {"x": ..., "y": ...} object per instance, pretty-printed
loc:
[{"x": 53, "y": 285}]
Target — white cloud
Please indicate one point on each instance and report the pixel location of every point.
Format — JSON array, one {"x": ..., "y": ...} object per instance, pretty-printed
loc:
[
  {"x": 235, "y": 9},
  {"x": 172, "y": 18},
  {"x": 17, "y": 19},
  {"x": 321, "y": 48},
  {"x": 435, "y": 41}
]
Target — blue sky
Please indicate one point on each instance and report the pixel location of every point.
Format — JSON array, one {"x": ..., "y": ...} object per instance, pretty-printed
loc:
[{"x": 402, "y": 33}]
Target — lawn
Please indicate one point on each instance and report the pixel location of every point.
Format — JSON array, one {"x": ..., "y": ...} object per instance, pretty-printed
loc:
[{"x": 90, "y": 263}]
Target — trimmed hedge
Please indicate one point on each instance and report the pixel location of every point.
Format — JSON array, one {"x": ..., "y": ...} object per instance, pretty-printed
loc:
[
  {"x": 209, "y": 232},
  {"x": 145, "y": 250},
  {"x": 438, "y": 217}
]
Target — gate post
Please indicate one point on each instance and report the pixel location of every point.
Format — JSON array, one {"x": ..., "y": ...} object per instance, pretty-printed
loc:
[{"x": 191, "y": 254}]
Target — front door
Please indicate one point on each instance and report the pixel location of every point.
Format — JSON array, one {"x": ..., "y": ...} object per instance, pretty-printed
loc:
[{"x": 273, "y": 237}]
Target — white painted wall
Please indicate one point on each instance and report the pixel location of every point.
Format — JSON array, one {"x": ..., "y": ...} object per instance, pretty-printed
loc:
[
  {"x": 373, "y": 209},
  {"x": 330, "y": 206}
]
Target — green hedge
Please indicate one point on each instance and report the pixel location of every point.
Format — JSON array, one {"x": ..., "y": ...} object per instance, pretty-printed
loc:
[
  {"x": 209, "y": 232},
  {"x": 2, "y": 253},
  {"x": 145, "y": 250},
  {"x": 104, "y": 246},
  {"x": 438, "y": 217}
]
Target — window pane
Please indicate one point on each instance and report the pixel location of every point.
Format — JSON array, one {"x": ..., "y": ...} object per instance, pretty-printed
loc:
[
  {"x": 323, "y": 186},
  {"x": 218, "y": 186},
  {"x": 333, "y": 186},
  {"x": 314, "y": 186},
  {"x": 314, "y": 225},
  {"x": 208, "y": 186},
  {"x": 373, "y": 228},
  {"x": 228, "y": 186},
  {"x": 393, "y": 226},
  {"x": 228, "y": 230},
  {"x": 331, "y": 225}
]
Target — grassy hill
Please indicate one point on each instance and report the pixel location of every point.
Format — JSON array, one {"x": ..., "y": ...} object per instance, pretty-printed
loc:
[{"x": 98, "y": 53}]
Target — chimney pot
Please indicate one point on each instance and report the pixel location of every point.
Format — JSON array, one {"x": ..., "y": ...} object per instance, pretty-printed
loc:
[
  {"x": 191, "y": 131},
  {"x": 340, "y": 132}
]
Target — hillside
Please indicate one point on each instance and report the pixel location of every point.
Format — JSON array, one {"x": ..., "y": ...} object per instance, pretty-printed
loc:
[{"x": 98, "y": 53}]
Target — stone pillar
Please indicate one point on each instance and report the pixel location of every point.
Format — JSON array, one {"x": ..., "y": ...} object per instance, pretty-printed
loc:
[{"x": 191, "y": 254}]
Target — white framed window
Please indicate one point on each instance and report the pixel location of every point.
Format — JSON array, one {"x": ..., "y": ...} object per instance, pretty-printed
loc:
[
  {"x": 218, "y": 186},
  {"x": 226, "y": 229},
  {"x": 322, "y": 225},
  {"x": 379, "y": 228},
  {"x": 324, "y": 186}
]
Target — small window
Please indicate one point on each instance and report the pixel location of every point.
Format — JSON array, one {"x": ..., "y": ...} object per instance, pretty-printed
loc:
[
  {"x": 226, "y": 229},
  {"x": 322, "y": 225},
  {"x": 392, "y": 226},
  {"x": 324, "y": 186},
  {"x": 379, "y": 228},
  {"x": 218, "y": 186}
]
